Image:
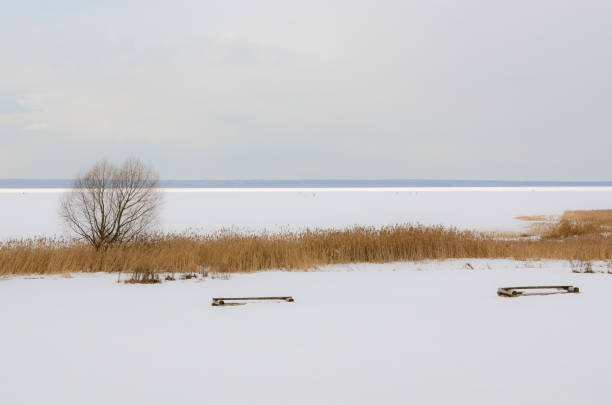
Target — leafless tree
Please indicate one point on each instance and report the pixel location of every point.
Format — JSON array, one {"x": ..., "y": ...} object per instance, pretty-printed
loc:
[{"x": 112, "y": 204}]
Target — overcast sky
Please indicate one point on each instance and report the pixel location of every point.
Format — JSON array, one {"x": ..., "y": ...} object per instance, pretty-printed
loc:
[{"x": 471, "y": 89}]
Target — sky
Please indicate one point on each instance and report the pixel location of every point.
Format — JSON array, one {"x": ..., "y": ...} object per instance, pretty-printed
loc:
[{"x": 471, "y": 89}]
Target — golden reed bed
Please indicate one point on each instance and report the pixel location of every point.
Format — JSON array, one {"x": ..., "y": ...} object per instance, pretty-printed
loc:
[{"x": 576, "y": 235}]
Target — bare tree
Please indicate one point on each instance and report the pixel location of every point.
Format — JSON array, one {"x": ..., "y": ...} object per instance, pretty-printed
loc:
[{"x": 112, "y": 204}]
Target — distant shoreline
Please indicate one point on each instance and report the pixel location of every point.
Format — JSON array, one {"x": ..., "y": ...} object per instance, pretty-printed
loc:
[
  {"x": 341, "y": 189},
  {"x": 26, "y": 184}
]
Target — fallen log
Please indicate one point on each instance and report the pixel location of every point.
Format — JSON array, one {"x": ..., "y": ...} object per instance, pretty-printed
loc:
[
  {"x": 518, "y": 291},
  {"x": 216, "y": 302}
]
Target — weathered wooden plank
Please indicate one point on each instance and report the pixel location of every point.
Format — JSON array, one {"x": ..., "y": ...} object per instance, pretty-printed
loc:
[
  {"x": 516, "y": 291},
  {"x": 222, "y": 300}
]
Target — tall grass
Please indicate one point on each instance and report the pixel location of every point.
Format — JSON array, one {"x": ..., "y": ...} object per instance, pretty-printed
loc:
[
  {"x": 226, "y": 252},
  {"x": 592, "y": 223}
]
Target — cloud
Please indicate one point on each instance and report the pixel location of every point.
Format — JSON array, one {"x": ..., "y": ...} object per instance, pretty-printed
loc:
[
  {"x": 36, "y": 126},
  {"x": 319, "y": 89},
  {"x": 9, "y": 105}
]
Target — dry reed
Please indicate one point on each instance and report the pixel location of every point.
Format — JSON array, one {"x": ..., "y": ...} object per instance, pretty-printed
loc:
[
  {"x": 227, "y": 252},
  {"x": 594, "y": 223}
]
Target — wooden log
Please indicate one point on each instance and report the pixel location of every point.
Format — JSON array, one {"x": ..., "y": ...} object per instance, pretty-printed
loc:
[
  {"x": 532, "y": 287},
  {"x": 515, "y": 291},
  {"x": 507, "y": 292},
  {"x": 219, "y": 301}
]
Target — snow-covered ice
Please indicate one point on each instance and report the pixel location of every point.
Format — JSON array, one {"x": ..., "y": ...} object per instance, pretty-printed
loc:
[
  {"x": 26, "y": 213},
  {"x": 423, "y": 333}
]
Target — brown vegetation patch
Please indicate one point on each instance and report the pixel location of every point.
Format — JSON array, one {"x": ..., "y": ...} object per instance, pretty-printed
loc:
[
  {"x": 593, "y": 223},
  {"x": 581, "y": 223},
  {"x": 226, "y": 252},
  {"x": 538, "y": 218},
  {"x": 143, "y": 277},
  {"x": 601, "y": 217}
]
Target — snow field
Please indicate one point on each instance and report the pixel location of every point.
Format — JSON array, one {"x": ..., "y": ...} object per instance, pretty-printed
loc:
[
  {"x": 26, "y": 213},
  {"x": 425, "y": 333},
  {"x": 396, "y": 333}
]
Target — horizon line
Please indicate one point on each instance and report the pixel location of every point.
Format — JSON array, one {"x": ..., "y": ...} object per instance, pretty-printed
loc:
[{"x": 60, "y": 183}]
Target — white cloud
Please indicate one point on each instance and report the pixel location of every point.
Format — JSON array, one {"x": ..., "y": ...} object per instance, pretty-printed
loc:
[
  {"x": 268, "y": 89},
  {"x": 37, "y": 126}
]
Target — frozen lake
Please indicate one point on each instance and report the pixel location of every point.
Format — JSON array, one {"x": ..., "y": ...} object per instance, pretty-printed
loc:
[
  {"x": 396, "y": 333},
  {"x": 29, "y": 212}
]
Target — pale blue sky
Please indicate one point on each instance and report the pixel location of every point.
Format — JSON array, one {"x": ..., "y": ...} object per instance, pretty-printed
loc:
[{"x": 477, "y": 89}]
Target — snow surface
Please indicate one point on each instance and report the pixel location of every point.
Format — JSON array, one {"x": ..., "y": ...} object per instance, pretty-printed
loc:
[
  {"x": 29, "y": 212},
  {"x": 422, "y": 333}
]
